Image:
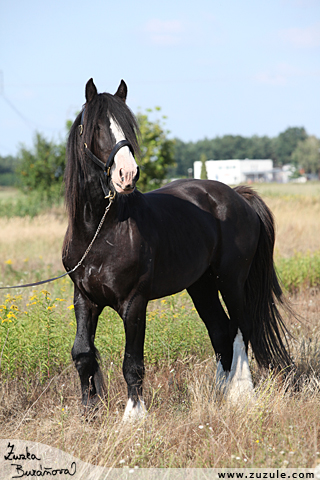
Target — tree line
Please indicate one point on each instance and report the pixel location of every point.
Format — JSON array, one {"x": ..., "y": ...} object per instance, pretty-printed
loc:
[
  {"x": 293, "y": 146},
  {"x": 41, "y": 168}
]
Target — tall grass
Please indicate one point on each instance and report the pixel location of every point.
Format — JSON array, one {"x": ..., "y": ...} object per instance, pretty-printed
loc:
[
  {"x": 14, "y": 203},
  {"x": 188, "y": 424},
  {"x": 37, "y": 333},
  {"x": 299, "y": 271}
]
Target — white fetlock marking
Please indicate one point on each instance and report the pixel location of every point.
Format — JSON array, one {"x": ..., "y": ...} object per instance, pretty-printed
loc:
[
  {"x": 221, "y": 378},
  {"x": 240, "y": 380},
  {"x": 134, "y": 412}
]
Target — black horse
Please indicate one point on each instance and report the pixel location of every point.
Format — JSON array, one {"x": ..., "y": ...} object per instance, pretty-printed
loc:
[{"x": 198, "y": 235}]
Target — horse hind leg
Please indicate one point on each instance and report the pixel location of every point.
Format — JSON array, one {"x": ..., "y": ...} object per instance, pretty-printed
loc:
[
  {"x": 240, "y": 381},
  {"x": 240, "y": 385},
  {"x": 205, "y": 296}
]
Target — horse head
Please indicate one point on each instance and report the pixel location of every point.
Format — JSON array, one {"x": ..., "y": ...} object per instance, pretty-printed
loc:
[{"x": 109, "y": 131}]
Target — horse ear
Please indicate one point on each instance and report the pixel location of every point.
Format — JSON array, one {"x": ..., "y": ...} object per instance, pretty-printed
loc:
[
  {"x": 91, "y": 90},
  {"x": 122, "y": 90}
]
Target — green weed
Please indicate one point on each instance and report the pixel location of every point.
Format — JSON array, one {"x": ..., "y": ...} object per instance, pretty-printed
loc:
[
  {"x": 299, "y": 271},
  {"x": 37, "y": 334},
  {"x": 18, "y": 204},
  {"x": 37, "y": 331}
]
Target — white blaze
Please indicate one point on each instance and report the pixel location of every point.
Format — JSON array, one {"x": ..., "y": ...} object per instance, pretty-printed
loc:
[
  {"x": 116, "y": 130},
  {"x": 124, "y": 167}
]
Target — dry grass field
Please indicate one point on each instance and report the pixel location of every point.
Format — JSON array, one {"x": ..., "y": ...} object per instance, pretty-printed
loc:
[
  {"x": 297, "y": 213},
  {"x": 187, "y": 425}
]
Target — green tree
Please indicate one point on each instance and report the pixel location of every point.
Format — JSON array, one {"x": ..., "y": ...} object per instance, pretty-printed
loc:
[
  {"x": 221, "y": 148},
  {"x": 184, "y": 155},
  {"x": 287, "y": 142},
  {"x": 279, "y": 148},
  {"x": 41, "y": 169},
  {"x": 157, "y": 151},
  {"x": 307, "y": 155},
  {"x": 8, "y": 166},
  {"x": 203, "y": 174}
]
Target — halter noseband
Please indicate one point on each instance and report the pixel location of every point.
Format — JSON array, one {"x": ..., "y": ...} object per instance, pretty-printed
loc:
[{"x": 106, "y": 167}]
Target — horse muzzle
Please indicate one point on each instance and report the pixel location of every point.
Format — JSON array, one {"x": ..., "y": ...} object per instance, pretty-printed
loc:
[{"x": 127, "y": 183}]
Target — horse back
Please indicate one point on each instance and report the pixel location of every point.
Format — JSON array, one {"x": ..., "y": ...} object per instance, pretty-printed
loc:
[{"x": 195, "y": 224}]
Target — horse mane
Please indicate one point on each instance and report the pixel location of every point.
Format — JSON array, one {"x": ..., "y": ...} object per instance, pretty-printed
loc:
[{"x": 77, "y": 162}]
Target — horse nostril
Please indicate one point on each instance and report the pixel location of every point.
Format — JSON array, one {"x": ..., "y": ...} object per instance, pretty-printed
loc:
[{"x": 121, "y": 175}]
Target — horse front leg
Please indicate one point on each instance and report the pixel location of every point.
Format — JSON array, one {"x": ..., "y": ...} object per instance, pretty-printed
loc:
[
  {"x": 84, "y": 353},
  {"x": 134, "y": 318}
]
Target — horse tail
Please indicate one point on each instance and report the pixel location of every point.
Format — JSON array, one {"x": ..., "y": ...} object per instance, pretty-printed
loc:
[{"x": 263, "y": 293}]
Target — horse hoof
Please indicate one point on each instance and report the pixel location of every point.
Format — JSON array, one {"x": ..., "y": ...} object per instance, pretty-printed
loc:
[
  {"x": 239, "y": 385},
  {"x": 90, "y": 405},
  {"x": 134, "y": 411}
]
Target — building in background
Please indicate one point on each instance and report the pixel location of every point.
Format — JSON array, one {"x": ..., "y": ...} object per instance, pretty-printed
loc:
[{"x": 233, "y": 172}]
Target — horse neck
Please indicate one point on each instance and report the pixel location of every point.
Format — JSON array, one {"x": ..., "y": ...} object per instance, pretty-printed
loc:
[{"x": 91, "y": 201}]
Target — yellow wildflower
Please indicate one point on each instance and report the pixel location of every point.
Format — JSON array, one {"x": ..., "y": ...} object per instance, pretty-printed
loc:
[
  {"x": 8, "y": 262},
  {"x": 9, "y": 298},
  {"x": 71, "y": 307}
]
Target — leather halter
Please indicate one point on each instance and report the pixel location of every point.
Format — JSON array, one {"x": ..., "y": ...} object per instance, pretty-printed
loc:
[{"x": 106, "y": 167}]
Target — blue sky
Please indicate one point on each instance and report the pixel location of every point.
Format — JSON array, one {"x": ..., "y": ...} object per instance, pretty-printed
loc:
[{"x": 214, "y": 67}]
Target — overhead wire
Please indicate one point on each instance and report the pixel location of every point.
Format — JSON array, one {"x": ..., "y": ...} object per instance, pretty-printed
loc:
[
  {"x": 30, "y": 123},
  {"x": 14, "y": 108}
]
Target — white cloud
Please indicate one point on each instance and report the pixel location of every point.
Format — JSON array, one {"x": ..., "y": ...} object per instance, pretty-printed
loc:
[
  {"x": 308, "y": 37},
  {"x": 279, "y": 75},
  {"x": 165, "y": 32},
  {"x": 268, "y": 78},
  {"x": 300, "y": 3}
]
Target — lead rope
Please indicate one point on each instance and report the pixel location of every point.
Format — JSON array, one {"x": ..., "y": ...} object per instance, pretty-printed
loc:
[{"x": 111, "y": 198}]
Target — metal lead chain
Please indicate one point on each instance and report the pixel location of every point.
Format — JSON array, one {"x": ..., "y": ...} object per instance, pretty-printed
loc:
[{"x": 111, "y": 198}]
